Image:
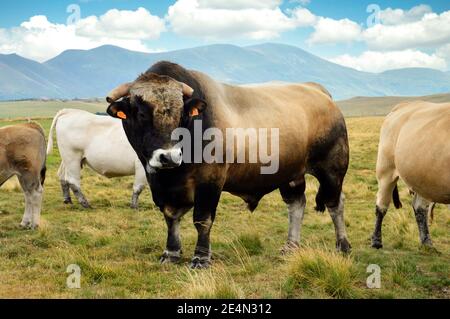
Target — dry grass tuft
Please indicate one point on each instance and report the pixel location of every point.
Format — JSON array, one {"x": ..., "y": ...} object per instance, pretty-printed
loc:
[
  {"x": 214, "y": 282},
  {"x": 322, "y": 273}
]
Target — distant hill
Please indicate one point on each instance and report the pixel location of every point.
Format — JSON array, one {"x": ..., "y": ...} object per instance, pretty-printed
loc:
[
  {"x": 354, "y": 107},
  {"x": 372, "y": 106},
  {"x": 92, "y": 73}
]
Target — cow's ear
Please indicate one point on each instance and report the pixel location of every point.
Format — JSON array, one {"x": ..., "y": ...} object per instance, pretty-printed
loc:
[
  {"x": 195, "y": 106},
  {"x": 120, "y": 109}
]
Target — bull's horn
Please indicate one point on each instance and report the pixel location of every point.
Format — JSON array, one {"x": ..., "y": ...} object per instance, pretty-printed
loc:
[
  {"x": 187, "y": 90},
  {"x": 120, "y": 91}
]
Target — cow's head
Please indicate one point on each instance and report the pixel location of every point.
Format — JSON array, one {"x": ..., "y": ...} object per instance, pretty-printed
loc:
[{"x": 151, "y": 108}]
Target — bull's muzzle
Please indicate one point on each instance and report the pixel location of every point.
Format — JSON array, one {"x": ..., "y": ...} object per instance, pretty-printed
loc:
[{"x": 162, "y": 158}]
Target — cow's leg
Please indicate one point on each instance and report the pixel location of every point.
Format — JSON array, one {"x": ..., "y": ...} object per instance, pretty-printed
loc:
[
  {"x": 294, "y": 196},
  {"x": 137, "y": 190},
  {"x": 73, "y": 177},
  {"x": 420, "y": 206},
  {"x": 28, "y": 213},
  {"x": 172, "y": 253},
  {"x": 386, "y": 185},
  {"x": 33, "y": 190},
  {"x": 140, "y": 181},
  {"x": 64, "y": 184},
  {"x": 206, "y": 200},
  {"x": 36, "y": 200}
]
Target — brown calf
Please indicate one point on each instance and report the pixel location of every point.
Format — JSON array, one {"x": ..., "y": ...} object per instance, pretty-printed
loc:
[{"x": 22, "y": 153}]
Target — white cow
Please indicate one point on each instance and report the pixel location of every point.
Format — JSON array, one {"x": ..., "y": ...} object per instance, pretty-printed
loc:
[{"x": 99, "y": 142}]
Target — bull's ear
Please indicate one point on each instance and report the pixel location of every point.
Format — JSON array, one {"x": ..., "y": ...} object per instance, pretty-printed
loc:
[
  {"x": 120, "y": 109},
  {"x": 195, "y": 106}
]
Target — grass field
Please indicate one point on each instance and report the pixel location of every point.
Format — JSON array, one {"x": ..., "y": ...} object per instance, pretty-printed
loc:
[
  {"x": 118, "y": 248},
  {"x": 45, "y": 109}
]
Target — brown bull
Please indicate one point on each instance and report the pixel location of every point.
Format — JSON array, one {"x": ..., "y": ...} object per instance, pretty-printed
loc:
[
  {"x": 22, "y": 153},
  {"x": 312, "y": 139},
  {"x": 414, "y": 146}
]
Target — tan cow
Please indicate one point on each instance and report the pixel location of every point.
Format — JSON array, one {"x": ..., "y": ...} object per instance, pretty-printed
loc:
[
  {"x": 22, "y": 153},
  {"x": 414, "y": 146}
]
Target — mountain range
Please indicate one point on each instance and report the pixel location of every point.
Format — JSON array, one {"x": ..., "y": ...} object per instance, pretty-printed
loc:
[{"x": 92, "y": 73}]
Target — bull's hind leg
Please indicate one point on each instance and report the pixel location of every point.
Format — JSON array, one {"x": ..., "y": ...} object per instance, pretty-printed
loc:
[
  {"x": 294, "y": 196},
  {"x": 330, "y": 170},
  {"x": 64, "y": 184},
  {"x": 420, "y": 206}
]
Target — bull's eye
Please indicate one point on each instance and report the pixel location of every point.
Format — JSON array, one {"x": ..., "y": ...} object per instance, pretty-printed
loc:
[{"x": 142, "y": 116}]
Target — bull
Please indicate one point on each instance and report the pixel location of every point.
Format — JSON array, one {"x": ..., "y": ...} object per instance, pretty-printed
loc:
[{"x": 312, "y": 140}]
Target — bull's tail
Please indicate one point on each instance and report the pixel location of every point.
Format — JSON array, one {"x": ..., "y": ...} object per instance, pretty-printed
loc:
[
  {"x": 50, "y": 134},
  {"x": 396, "y": 198},
  {"x": 431, "y": 212},
  {"x": 43, "y": 171}
]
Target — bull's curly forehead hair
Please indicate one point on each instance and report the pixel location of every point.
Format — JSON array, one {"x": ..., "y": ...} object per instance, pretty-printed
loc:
[{"x": 157, "y": 89}]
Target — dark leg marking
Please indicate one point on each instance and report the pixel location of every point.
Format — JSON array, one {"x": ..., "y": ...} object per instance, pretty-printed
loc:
[
  {"x": 173, "y": 251},
  {"x": 80, "y": 196},
  {"x": 135, "y": 198},
  {"x": 420, "y": 207},
  {"x": 206, "y": 199},
  {"x": 377, "y": 241},
  {"x": 66, "y": 192}
]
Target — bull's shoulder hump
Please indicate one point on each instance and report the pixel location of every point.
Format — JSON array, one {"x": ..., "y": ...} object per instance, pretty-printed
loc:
[{"x": 319, "y": 87}]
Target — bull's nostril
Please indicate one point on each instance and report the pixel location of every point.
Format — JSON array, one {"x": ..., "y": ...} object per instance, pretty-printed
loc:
[{"x": 164, "y": 159}]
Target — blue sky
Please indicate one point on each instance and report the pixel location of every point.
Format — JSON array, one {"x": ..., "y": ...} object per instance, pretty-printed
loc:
[{"x": 336, "y": 31}]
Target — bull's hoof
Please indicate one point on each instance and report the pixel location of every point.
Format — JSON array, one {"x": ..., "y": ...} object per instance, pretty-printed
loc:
[
  {"x": 27, "y": 225},
  {"x": 377, "y": 244},
  {"x": 68, "y": 201},
  {"x": 200, "y": 262},
  {"x": 134, "y": 206},
  {"x": 427, "y": 242},
  {"x": 86, "y": 205},
  {"x": 170, "y": 257},
  {"x": 343, "y": 245},
  {"x": 290, "y": 247}
]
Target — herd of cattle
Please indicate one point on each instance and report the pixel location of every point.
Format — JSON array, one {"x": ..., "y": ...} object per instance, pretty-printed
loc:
[{"x": 414, "y": 146}]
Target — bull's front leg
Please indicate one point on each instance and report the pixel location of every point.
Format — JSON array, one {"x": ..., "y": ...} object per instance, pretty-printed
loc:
[
  {"x": 172, "y": 253},
  {"x": 206, "y": 200}
]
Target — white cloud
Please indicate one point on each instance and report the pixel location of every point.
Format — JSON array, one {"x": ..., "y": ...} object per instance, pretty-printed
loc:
[
  {"x": 139, "y": 24},
  {"x": 391, "y": 16},
  {"x": 40, "y": 39},
  {"x": 328, "y": 30},
  {"x": 372, "y": 61},
  {"x": 431, "y": 30},
  {"x": 214, "y": 20},
  {"x": 444, "y": 51}
]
